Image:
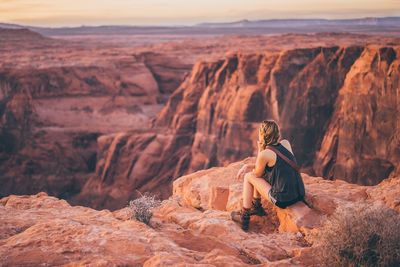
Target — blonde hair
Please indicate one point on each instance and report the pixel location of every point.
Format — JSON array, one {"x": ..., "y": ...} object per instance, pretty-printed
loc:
[{"x": 270, "y": 133}]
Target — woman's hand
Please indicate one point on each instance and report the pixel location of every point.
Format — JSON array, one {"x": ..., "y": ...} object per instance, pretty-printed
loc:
[{"x": 245, "y": 169}]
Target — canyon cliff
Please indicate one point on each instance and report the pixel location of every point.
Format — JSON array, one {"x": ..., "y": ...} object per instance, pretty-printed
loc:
[
  {"x": 52, "y": 110},
  {"x": 96, "y": 121},
  {"x": 192, "y": 226},
  {"x": 99, "y": 125},
  {"x": 338, "y": 106}
]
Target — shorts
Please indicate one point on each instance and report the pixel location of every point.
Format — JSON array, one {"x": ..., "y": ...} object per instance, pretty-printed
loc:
[
  {"x": 271, "y": 198},
  {"x": 283, "y": 204}
]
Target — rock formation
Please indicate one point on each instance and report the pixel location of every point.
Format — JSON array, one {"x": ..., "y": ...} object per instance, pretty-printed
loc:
[
  {"x": 362, "y": 142},
  {"x": 212, "y": 119},
  {"x": 192, "y": 226},
  {"x": 10, "y": 36},
  {"x": 81, "y": 113},
  {"x": 51, "y": 113},
  {"x": 310, "y": 93}
]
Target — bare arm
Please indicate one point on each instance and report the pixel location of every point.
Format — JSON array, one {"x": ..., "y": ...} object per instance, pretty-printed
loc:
[
  {"x": 262, "y": 160},
  {"x": 250, "y": 167}
]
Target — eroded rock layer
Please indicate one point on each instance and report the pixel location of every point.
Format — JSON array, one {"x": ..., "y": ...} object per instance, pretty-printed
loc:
[
  {"x": 52, "y": 112},
  {"x": 338, "y": 106},
  {"x": 81, "y": 112},
  {"x": 192, "y": 226}
]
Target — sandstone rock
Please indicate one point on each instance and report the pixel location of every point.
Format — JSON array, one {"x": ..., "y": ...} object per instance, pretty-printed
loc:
[
  {"x": 212, "y": 119},
  {"x": 51, "y": 116},
  {"x": 200, "y": 190},
  {"x": 57, "y": 98},
  {"x": 167, "y": 71},
  {"x": 387, "y": 192},
  {"x": 361, "y": 144},
  {"x": 125, "y": 163},
  {"x": 221, "y": 104},
  {"x": 192, "y": 227},
  {"x": 44, "y": 230}
]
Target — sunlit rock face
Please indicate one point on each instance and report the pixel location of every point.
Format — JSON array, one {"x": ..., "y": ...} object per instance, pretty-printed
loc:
[
  {"x": 192, "y": 226},
  {"x": 309, "y": 92},
  {"x": 96, "y": 126},
  {"x": 337, "y": 105},
  {"x": 339, "y": 113},
  {"x": 362, "y": 141}
]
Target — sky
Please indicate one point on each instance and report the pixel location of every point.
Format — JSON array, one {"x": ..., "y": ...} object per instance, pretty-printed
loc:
[{"x": 184, "y": 12}]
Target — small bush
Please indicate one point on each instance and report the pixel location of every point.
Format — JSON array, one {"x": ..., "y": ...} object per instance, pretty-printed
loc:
[
  {"x": 361, "y": 235},
  {"x": 141, "y": 207}
]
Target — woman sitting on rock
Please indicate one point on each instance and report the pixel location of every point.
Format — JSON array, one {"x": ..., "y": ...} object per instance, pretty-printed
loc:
[{"x": 275, "y": 176}]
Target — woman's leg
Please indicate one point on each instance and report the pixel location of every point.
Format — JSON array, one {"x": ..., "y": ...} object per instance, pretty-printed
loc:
[
  {"x": 256, "y": 194},
  {"x": 251, "y": 183},
  {"x": 248, "y": 189}
]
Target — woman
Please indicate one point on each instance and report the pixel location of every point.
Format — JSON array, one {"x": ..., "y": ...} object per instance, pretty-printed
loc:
[{"x": 274, "y": 176}]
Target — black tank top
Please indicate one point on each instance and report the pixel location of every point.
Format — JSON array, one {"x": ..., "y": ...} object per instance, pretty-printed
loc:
[
  {"x": 284, "y": 151},
  {"x": 286, "y": 183}
]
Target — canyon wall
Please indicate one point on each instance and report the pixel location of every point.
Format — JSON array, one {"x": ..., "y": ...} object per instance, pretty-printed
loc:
[
  {"x": 362, "y": 142},
  {"x": 98, "y": 125},
  {"x": 51, "y": 117},
  {"x": 338, "y": 106}
]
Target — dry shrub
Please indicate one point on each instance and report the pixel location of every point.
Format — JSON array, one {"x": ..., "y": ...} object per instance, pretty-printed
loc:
[
  {"x": 141, "y": 207},
  {"x": 361, "y": 235}
]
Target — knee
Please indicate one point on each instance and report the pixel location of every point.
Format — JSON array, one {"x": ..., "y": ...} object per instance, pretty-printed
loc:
[{"x": 248, "y": 176}]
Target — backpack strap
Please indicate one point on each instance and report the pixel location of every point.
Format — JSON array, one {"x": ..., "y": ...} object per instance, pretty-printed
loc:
[
  {"x": 288, "y": 161},
  {"x": 294, "y": 166}
]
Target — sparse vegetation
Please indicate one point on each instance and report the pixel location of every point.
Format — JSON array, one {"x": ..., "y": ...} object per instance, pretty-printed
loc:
[
  {"x": 361, "y": 235},
  {"x": 141, "y": 207}
]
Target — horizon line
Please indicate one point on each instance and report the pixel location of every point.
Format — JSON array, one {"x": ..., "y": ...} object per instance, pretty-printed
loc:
[{"x": 195, "y": 24}]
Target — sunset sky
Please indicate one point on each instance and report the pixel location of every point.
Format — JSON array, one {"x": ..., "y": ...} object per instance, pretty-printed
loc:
[{"x": 178, "y": 12}]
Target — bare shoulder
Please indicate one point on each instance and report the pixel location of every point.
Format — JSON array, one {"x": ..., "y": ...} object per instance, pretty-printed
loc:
[
  {"x": 268, "y": 156},
  {"x": 287, "y": 145},
  {"x": 267, "y": 153}
]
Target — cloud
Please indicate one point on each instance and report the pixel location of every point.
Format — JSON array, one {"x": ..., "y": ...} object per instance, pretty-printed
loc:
[
  {"x": 11, "y": 9},
  {"x": 74, "y": 12}
]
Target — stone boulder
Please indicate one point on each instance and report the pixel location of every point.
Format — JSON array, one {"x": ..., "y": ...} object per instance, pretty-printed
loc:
[
  {"x": 219, "y": 188},
  {"x": 192, "y": 227}
]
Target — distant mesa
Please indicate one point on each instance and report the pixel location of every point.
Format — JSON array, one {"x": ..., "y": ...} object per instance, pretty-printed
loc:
[
  {"x": 371, "y": 21},
  {"x": 21, "y": 34},
  {"x": 245, "y": 26}
]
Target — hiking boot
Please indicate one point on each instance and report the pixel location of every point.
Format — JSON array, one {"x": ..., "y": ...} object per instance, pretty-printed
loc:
[
  {"x": 242, "y": 217},
  {"x": 257, "y": 208}
]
